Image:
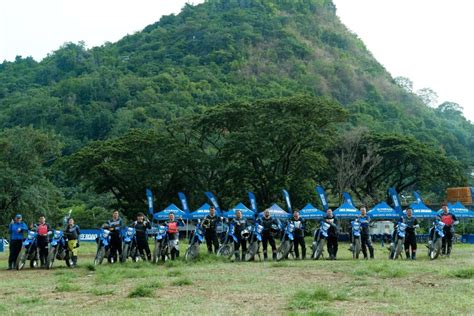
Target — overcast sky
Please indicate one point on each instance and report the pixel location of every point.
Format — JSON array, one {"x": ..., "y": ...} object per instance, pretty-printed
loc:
[{"x": 428, "y": 41}]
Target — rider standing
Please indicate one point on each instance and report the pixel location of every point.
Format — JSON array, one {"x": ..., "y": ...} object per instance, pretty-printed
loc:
[
  {"x": 365, "y": 241},
  {"x": 115, "y": 225},
  {"x": 240, "y": 224},
  {"x": 332, "y": 234},
  {"x": 298, "y": 234},
  {"x": 72, "y": 233},
  {"x": 210, "y": 223},
  {"x": 16, "y": 229},
  {"x": 141, "y": 225},
  {"x": 173, "y": 234},
  {"x": 42, "y": 229},
  {"x": 410, "y": 234},
  {"x": 449, "y": 219},
  {"x": 270, "y": 226}
]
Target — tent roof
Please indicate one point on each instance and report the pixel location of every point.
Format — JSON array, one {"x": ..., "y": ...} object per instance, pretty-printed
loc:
[
  {"x": 276, "y": 211},
  {"x": 346, "y": 210},
  {"x": 163, "y": 215},
  {"x": 421, "y": 210},
  {"x": 383, "y": 211},
  {"x": 311, "y": 212}
]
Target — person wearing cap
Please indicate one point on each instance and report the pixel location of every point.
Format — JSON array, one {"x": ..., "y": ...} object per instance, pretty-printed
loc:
[
  {"x": 449, "y": 220},
  {"x": 141, "y": 225},
  {"x": 72, "y": 233},
  {"x": 298, "y": 235},
  {"x": 16, "y": 230},
  {"x": 210, "y": 223},
  {"x": 42, "y": 229}
]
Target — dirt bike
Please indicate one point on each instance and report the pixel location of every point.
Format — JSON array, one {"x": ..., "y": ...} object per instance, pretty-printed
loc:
[
  {"x": 356, "y": 242},
  {"x": 195, "y": 240},
  {"x": 255, "y": 239},
  {"x": 129, "y": 245},
  {"x": 58, "y": 250},
  {"x": 103, "y": 246},
  {"x": 434, "y": 243},
  {"x": 319, "y": 240},
  {"x": 286, "y": 245},
  {"x": 29, "y": 251},
  {"x": 161, "y": 250},
  {"x": 396, "y": 248},
  {"x": 226, "y": 248}
]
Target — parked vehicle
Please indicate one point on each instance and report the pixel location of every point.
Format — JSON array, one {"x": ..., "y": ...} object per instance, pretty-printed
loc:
[
  {"x": 129, "y": 245},
  {"x": 355, "y": 242},
  {"x": 195, "y": 241},
  {"x": 226, "y": 248},
  {"x": 434, "y": 243},
  {"x": 286, "y": 245},
  {"x": 319, "y": 240},
  {"x": 397, "y": 246},
  {"x": 255, "y": 239},
  {"x": 29, "y": 251},
  {"x": 161, "y": 251},
  {"x": 103, "y": 246},
  {"x": 58, "y": 249}
]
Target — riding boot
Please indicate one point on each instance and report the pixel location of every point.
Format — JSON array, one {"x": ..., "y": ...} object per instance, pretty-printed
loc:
[
  {"x": 265, "y": 255},
  {"x": 177, "y": 253},
  {"x": 448, "y": 251},
  {"x": 364, "y": 252},
  {"x": 237, "y": 255},
  {"x": 243, "y": 256},
  {"x": 274, "y": 256},
  {"x": 407, "y": 254},
  {"x": 371, "y": 251},
  {"x": 413, "y": 255},
  {"x": 74, "y": 261}
]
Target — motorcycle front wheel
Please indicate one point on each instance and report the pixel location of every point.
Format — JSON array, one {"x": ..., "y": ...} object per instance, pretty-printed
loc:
[
  {"x": 125, "y": 251},
  {"x": 51, "y": 257},
  {"x": 436, "y": 249},
  {"x": 356, "y": 250},
  {"x": 283, "y": 250},
  {"x": 99, "y": 257},
  {"x": 21, "y": 259},
  {"x": 225, "y": 250},
  {"x": 319, "y": 249},
  {"x": 191, "y": 252}
]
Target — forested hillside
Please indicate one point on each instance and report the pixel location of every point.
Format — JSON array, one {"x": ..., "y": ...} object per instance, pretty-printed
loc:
[{"x": 162, "y": 83}]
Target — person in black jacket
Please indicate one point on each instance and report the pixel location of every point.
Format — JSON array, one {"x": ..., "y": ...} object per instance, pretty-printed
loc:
[
  {"x": 240, "y": 224},
  {"x": 72, "y": 233},
  {"x": 332, "y": 234},
  {"x": 115, "y": 225},
  {"x": 298, "y": 235},
  {"x": 410, "y": 234},
  {"x": 450, "y": 220},
  {"x": 210, "y": 223},
  {"x": 270, "y": 227},
  {"x": 141, "y": 225}
]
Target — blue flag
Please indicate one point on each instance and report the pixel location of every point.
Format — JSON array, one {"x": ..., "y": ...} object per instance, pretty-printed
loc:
[
  {"x": 287, "y": 199},
  {"x": 322, "y": 197},
  {"x": 418, "y": 198},
  {"x": 253, "y": 202},
  {"x": 213, "y": 200},
  {"x": 149, "y": 197},
  {"x": 348, "y": 198},
  {"x": 396, "y": 201},
  {"x": 184, "y": 202}
]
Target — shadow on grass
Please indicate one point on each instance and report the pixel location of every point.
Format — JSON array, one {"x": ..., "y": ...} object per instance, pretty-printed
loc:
[{"x": 467, "y": 273}]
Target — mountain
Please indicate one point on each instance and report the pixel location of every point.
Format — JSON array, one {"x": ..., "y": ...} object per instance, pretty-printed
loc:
[{"x": 217, "y": 52}]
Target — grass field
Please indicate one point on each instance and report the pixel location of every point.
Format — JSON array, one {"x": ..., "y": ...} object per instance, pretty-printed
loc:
[{"x": 214, "y": 286}]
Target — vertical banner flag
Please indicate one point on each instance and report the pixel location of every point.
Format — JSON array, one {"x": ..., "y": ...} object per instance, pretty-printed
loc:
[
  {"x": 418, "y": 198},
  {"x": 149, "y": 197},
  {"x": 184, "y": 202},
  {"x": 253, "y": 202},
  {"x": 348, "y": 198},
  {"x": 287, "y": 199},
  {"x": 322, "y": 197},
  {"x": 213, "y": 200},
  {"x": 396, "y": 201}
]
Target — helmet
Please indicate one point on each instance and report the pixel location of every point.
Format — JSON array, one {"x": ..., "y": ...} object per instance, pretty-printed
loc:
[{"x": 245, "y": 234}]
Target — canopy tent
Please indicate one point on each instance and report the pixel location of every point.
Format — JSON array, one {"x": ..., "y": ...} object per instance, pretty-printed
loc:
[
  {"x": 163, "y": 215},
  {"x": 201, "y": 212},
  {"x": 346, "y": 210},
  {"x": 311, "y": 212},
  {"x": 246, "y": 212},
  {"x": 420, "y": 210},
  {"x": 276, "y": 212},
  {"x": 383, "y": 211},
  {"x": 459, "y": 210}
]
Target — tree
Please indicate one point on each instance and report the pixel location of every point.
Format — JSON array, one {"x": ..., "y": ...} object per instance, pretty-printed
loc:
[
  {"x": 428, "y": 96},
  {"x": 404, "y": 83}
]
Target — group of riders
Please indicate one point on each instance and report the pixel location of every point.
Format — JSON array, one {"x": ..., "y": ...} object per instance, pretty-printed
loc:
[{"x": 118, "y": 242}]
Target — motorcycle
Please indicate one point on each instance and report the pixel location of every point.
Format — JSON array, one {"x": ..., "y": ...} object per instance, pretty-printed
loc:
[
  {"x": 129, "y": 245},
  {"x": 319, "y": 240},
  {"x": 58, "y": 249},
  {"x": 103, "y": 246},
  {"x": 396, "y": 248},
  {"x": 434, "y": 244},
  {"x": 226, "y": 248},
  {"x": 356, "y": 242},
  {"x": 286, "y": 245},
  {"x": 255, "y": 239},
  {"x": 161, "y": 244},
  {"x": 195, "y": 241},
  {"x": 29, "y": 251}
]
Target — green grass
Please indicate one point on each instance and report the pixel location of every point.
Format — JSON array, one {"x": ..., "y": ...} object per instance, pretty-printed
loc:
[{"x": 211, "y": 285}]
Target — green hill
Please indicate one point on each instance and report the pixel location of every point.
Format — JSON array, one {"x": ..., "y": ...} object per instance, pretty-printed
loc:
[{"x": 222, "y": 51}]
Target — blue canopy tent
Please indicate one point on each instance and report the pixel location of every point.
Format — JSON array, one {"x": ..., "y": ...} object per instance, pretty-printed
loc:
[
  {"x": 163, "y": 215},
  {"x": 420, "y": 210},
  {"x": 346, "y": 210},
  {"x": 459, "y": 210},
  {"x": 276, "y": 212},
  {"x": 246, "y": 212},
  {"x": 201, "y": 212},
  {"x": 383, "y": 211},
  {"x": 311, "y": 212}
]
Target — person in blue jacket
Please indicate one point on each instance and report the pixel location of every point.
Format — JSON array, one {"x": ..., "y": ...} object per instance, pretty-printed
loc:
[{"x": 16, "y": 229}]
